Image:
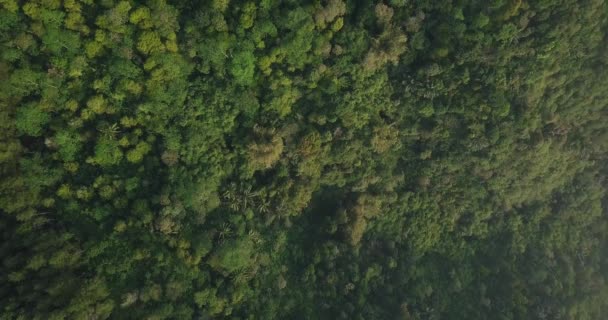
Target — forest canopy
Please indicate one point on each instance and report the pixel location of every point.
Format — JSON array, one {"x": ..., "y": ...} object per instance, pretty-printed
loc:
[{"x": 326, "y": 159}]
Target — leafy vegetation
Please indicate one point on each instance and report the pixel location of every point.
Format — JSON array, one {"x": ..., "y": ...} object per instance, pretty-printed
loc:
[{"x": 303, "y": 159}]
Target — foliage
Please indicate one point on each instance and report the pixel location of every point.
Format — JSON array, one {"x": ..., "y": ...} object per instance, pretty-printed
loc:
[{"x": 303, "y": 160}]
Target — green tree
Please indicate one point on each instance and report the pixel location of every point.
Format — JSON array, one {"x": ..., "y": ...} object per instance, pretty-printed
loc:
[{"x": 31, "y": 120}]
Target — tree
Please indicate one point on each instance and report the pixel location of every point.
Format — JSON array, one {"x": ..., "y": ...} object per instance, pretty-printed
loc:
[
  {"x": 233, "y": 255},
  {"x": 265, "y": 150},
  {"x": 243, "y": 68},
  {"x": 107, "y": 152},
  {"x": 31, "y": 120}
]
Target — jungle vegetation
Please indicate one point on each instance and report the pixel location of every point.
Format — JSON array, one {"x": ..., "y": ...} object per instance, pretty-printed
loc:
[{"x": 324, "y": 159}]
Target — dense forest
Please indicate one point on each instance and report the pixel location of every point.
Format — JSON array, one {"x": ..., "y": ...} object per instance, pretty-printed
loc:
[{"x": 324, "y": 159}]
